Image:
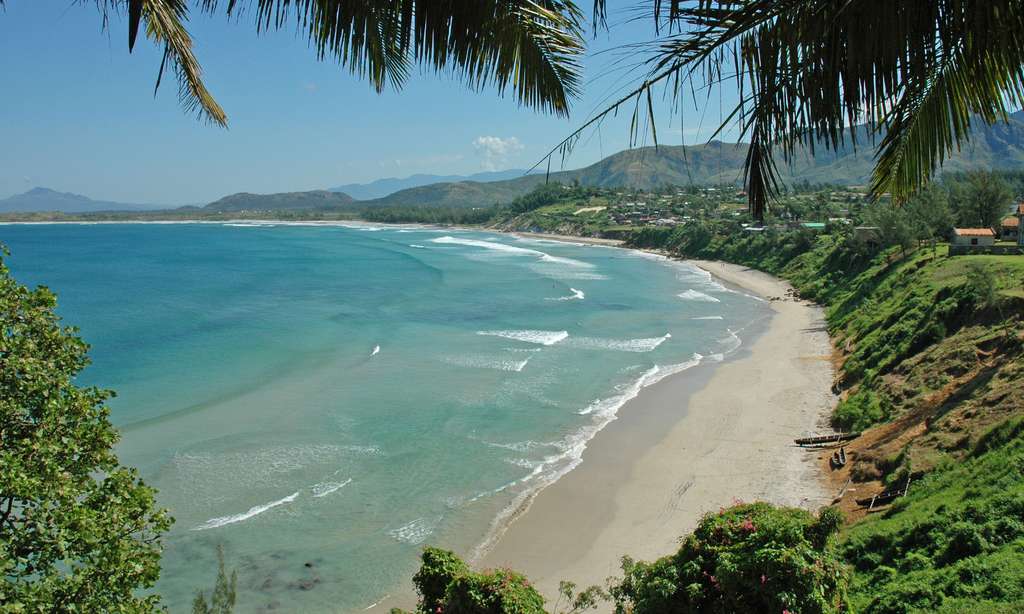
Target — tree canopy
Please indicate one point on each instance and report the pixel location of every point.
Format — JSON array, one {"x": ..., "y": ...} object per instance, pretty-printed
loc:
[{"x": 78, "y": 531}]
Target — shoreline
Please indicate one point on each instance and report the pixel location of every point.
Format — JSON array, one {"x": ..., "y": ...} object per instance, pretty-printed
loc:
[{"x": 683, "y": 447}]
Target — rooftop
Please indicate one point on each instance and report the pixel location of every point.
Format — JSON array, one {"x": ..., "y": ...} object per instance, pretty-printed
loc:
[
  {"x": 974, "y": 232},
  {"x": 1011, "y": 222}
]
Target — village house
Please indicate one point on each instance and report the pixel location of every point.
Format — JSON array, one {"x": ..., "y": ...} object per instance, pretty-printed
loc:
[
  {"x": 973, "y": 237},
  {"x": 1009, "y": 228},
  {"x": 1020, "y": 224}
]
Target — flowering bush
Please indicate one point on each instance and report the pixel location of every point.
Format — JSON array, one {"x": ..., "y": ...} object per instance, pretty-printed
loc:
[
  {"x": 748, "y": 558},
  {"x": 447, "y": 586}
]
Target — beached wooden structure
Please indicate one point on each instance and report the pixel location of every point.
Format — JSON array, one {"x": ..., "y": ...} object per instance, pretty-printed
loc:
[
  {"x": 822, "y": 440},
  {"x": 884, "y": 497}
]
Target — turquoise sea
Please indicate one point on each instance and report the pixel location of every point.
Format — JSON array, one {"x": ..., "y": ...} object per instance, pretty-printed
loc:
[{"x": 325, "y": 400}]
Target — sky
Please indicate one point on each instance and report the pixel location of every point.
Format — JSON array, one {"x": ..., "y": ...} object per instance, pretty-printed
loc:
[{"x": 78, "y": 113}]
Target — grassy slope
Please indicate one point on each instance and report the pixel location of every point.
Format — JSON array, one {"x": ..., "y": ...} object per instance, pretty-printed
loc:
[{"x": 934, "y": 371}]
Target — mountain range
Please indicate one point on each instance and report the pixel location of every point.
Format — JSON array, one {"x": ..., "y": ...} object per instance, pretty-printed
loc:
[
  {"x": 382, "y": 187},
  {"x": 1000, "y": 146},
  {"x": 38, "y": 200}
]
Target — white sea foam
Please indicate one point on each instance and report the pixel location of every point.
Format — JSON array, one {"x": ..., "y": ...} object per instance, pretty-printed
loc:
[
  {"x": 540, "y": 337},
  {"x": 521, "y": 462},
  {"x": 417, "y": 246},
  {"x": 619, "y": 345},
  {"x": 521, "y": 446},
  {"x": 478, "y": 361},
  {"x": 576, "y": 295},
  {"x": 416, "y": 532},
  {"x": 376, "y": 603},
  {"x": 511, "y": 249},
  {"x": 325, "y": 488},
  {"x": 707, "y": 318},
  {"x": 255, "y": 510},
  {"x": 731, "y": 342},
  {"x": 570, "y": 450},
  {"x": 696, "y": 295}
]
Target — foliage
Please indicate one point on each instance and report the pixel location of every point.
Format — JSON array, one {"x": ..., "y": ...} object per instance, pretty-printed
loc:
[
  {"x": 748, "y": 558},
  {"x": 931, "y": 69},
  {"x": 955, "y": 543},
  {"x": 530, "y": 47},
  {"x": 78, "y": 531},
  {"x": 222, "y": 598},
  {"x": 543, "y": 195},
  {"x": 446, "y": 584},
  {"x": 981, "y": 282},
  {"x": 980, "y": 200},
  {"x": 859, "y": 411}
]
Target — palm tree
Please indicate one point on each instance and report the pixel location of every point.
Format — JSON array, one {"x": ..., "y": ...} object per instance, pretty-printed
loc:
[
  {"x": 530, "y": 46},
  {"x": 916, "y": 72}
]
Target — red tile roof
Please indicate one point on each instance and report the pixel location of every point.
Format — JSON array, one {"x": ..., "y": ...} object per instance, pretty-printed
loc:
[
  {"x": 974, "y": 232},
  {"x": 1020, "y": 209},
  {"x": 1011, "y": 222}
]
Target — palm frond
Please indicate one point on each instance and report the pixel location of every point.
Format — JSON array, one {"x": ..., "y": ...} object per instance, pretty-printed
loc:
[
  {"x": 165, "y": 25},
  {"x": 530, "y": 46},
  {"x": 813, "y": 73}
]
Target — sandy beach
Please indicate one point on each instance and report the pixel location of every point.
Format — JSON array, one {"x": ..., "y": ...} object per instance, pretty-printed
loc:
[{"x": 688, "y": 445}]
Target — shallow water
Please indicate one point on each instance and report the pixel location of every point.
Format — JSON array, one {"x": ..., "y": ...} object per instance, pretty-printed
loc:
[{"x": 341, "y": 396}]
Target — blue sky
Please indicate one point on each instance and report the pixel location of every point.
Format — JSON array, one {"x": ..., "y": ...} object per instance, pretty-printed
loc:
[{"x": 78, "y": 113}]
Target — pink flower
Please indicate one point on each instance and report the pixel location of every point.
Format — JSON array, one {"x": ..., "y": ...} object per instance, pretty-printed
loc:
[{"x": 763, "y": 579}]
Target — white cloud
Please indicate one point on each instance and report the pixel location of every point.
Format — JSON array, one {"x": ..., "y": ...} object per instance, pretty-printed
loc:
[{"x": 494, "y": 151}]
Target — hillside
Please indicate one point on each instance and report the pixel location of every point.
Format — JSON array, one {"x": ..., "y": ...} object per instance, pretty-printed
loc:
[
  {"x": 244, "y": 201},
  {"x": 389, "y": 185},
  {"x": 930, "y": 352},
  {"x": 38, "y": 200},
  {"x": 997, "y": 147}
]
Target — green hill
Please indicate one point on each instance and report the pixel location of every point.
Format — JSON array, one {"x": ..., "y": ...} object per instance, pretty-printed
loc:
[
  {"x": 244, "y": 201},
  {"x": 645, "y": 168}
]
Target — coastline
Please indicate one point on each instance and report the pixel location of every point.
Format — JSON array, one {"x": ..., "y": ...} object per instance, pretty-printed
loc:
[
  {"x": 688, "y": 445},
  {"x": 684, "y": 446}
]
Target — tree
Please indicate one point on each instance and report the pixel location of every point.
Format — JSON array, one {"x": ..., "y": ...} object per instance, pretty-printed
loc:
[
  {"x": 981, "y": 200},
  {"x": 818, "y": 74},
  {"x": 530, "y": 46},
  {"x": 929, "y": 213},
  {"x": 222, "y": 598},
  {"x": 78, "y": 531},
  {"x": 748, "y": 558},
  {"x": 894, "y": 226}
]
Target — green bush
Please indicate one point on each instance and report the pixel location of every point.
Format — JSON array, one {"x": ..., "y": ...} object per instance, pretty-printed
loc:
[
  {"x": 446, "y": 584},
  {"x": 749, "y": 558},
  {"x": 859, "y": 411}
]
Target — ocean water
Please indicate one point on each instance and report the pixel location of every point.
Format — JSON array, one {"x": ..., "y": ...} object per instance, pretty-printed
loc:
[{"x": 324, "y": 400}]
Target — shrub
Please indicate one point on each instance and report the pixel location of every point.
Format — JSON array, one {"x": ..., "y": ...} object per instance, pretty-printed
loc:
[
  {"x": 749, "y": 558},
  {"x": 859, "y": 411},
  {"x": 446, "y": 584}
]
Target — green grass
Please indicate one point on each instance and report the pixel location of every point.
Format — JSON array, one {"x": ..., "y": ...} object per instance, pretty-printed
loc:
[
  {"x": 913, "y": 325},
  {"x": 955, "y": 543}
]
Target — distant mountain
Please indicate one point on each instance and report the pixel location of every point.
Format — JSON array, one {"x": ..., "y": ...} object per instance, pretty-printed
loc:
[
  {"x": 244, "y": 201},
  {"x": 39, "y": 200},
  {"x": 384, "y": 187},
  {"x": 1000, "y": 147}
]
